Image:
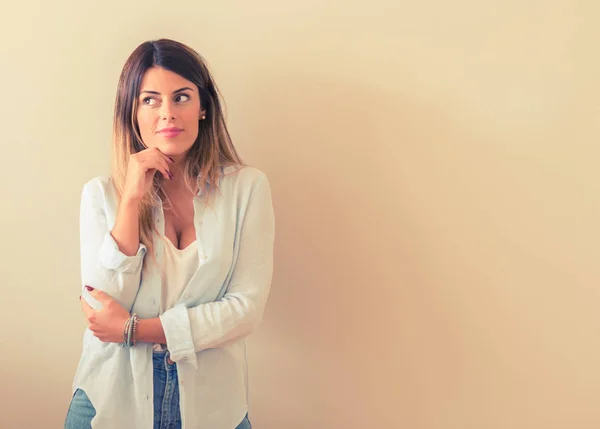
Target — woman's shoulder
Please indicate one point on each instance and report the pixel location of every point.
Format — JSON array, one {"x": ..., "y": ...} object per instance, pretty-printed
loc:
[
  {"x": 99, "y": 186},
  {"x": 241, "y": 184},
  {"x": 243, "y": 175}
]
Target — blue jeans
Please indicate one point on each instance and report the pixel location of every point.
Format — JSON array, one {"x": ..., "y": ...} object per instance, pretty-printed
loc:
[{"x": 166, "y": 400}]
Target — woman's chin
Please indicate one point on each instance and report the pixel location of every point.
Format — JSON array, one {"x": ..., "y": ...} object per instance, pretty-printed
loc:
[{"x": 172, "y": 150}]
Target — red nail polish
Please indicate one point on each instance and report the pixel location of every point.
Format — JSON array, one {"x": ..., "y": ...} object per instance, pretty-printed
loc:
[{"x": 89, "y": 288}]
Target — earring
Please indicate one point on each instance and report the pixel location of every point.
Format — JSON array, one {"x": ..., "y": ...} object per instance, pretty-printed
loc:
[{"x": 203, "y": 117}]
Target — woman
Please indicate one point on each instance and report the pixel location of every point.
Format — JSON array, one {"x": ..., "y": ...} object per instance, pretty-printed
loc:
[{"x": 176, "y": 257}]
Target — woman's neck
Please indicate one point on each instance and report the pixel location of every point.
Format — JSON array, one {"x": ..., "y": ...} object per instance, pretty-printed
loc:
[{"x": 177, "y": 187}]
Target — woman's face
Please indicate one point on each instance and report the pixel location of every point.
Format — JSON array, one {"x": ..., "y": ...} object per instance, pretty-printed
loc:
[{"x": 168, "y": 112}]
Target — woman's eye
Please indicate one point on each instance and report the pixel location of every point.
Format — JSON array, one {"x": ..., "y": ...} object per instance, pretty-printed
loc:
[
  {"x": 149, "y": 101},
  {"x": 182, "y": 97}
]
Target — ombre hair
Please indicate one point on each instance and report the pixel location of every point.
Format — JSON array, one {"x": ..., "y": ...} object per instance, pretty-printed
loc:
[{"x": 213, "y": 148}]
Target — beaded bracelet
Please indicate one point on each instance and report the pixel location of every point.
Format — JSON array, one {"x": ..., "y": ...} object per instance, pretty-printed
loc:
[
  {"x": 135, "y": 320},
  {"x": 129, "y": 330}
]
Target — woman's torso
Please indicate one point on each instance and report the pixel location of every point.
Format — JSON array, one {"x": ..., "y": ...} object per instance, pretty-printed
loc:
[
  {"x": 214, "y": 387},
  {"x": 180, "y": 249}
]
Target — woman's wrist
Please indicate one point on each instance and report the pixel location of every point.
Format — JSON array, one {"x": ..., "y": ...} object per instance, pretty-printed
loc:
[
  {"x": 130, "y": 202},
  {"x": 130, "y": 328},
  {"x": 150, "y": 331}
]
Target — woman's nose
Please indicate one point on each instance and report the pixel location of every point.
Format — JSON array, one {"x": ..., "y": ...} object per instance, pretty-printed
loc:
[{"x": 166, "y": 112}]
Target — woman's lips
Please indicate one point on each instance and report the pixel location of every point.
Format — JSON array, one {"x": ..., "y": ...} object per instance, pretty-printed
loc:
[{"x": 170, "y": 132}]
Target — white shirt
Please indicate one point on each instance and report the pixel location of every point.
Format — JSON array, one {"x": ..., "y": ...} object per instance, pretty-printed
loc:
[
  {"x": 178, "y": 267},
  {"x": 206, "y": 329}
]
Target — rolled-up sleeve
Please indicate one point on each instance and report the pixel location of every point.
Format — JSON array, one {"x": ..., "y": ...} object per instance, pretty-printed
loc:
[
  {"x": 103, "y": 265},
  {"x": 112, "y": 258},
  {"x": 239, "y": 312}
]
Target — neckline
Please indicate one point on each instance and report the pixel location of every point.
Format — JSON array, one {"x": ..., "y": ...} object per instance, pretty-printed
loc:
[{"x": 175, "y": 247}]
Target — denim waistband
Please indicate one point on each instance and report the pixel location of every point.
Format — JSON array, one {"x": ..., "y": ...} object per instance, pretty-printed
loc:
[{"x": 159, "y": 361}]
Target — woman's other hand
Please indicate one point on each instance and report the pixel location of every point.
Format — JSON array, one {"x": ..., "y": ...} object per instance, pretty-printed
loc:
[{"x": 107, "y": 323}]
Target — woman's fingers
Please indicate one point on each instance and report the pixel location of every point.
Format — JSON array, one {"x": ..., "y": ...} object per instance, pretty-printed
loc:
[
  {"x": 158, "y": 163},
  {"x": 164, "y": 169},
  {"x": 161, "y": 162},
  {"x": 167, "y": 160}
]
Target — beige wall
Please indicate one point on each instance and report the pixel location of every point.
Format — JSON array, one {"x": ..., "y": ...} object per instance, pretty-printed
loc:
[{"x": 435, "y": 174}]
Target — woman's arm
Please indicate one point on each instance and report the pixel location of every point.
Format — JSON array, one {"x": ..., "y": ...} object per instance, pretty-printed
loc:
[
  {"x": 126, "y": 231},
  {"x": 108, "y": 322},
  {"x": 141, "y": 169},
  {"x": 112, "y": 257},
  {"x": 103, "y": 264},
  {"x": 238, "y": 313}
]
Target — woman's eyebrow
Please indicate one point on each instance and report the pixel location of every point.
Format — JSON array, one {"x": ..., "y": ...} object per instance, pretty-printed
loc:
[{"x": 174, "y": 92}]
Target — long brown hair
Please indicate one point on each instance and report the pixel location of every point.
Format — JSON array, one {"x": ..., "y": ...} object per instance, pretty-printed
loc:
[{"x": 212, "y": 150}]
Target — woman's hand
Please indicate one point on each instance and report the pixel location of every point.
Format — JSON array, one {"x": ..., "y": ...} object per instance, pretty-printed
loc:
[
  {"x": 108, "y": 323},
  {"x": 140, "y": 172}
]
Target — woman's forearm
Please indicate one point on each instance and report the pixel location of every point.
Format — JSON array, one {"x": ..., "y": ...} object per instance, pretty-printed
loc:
[
  {"x": 150, "y": 331},
  {"x": 126, "y": 229}
]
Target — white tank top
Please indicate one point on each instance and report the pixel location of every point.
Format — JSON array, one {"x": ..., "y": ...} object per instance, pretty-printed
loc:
[{"x": 179, "y": 267}]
